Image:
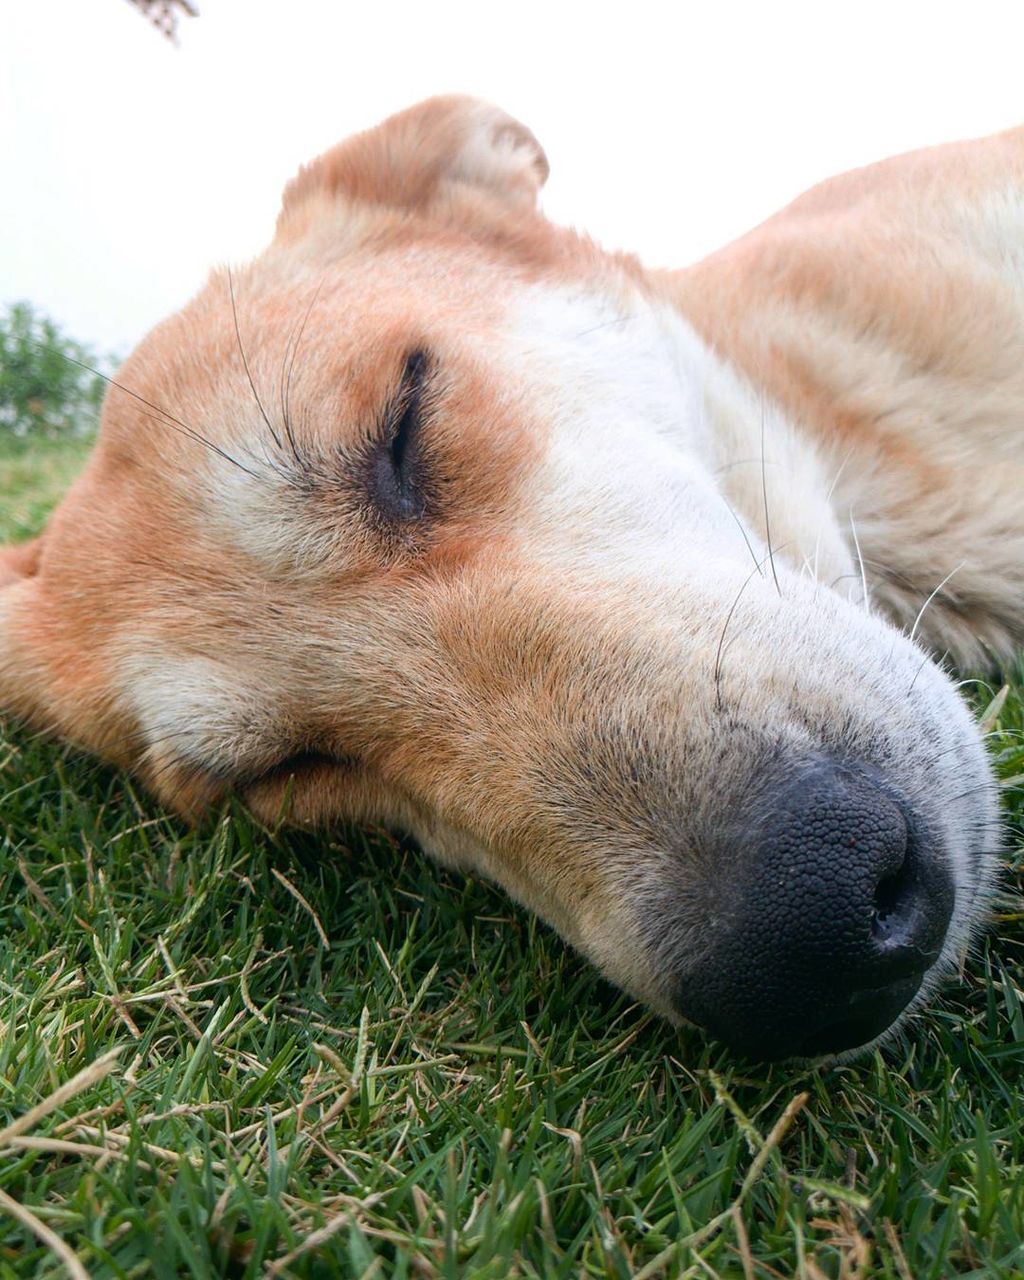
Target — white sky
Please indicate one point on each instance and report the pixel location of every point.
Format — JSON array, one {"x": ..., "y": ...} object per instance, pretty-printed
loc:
[{"x": 128, "y": 167}]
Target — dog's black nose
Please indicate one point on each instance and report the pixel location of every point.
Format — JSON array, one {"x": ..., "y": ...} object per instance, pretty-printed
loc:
[{"x": 837, "y": 908}]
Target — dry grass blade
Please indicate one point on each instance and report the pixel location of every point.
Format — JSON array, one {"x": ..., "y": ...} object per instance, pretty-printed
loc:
[
  {"x": 87, "y": 1077},
  {"x": 312, "y": 1241},
  {"x": 43, "y": 1233},
  {"x": 61, "y": 1146},
  {"x": 120, "y": 1141},
  {"x": 303, "y": 902},
  {"x": 36, "y": 891},
  {"x": 742, "y": 1242},
  {"x": 990, "y": 715},
  {"x": 710, "y": 1229},
  {"x": 899, "y": 1256}
]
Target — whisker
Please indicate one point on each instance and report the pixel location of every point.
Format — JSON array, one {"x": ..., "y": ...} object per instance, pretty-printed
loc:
[
  {"x": 723, "y": 467},
  {"x": 860, "y": 560},
  {"x": 606, "y": 324},
  {"x": 764, "y": 492},
  {"x": 194, "y": 435},
  {"x": 920, "y": 615},
  {"x": 281, "y": 400},
  {"x": 828, "y": 503},
  {"x": 924, "y": 662},
  {"x": 245, "y": 363},
  {"x": 981, "y": 789},
  {"x": 721, "y": 639},
  {"x": 838, "y": 475},
  {"x": 166, "y": 419},
  {"x": 739, "y": 525},
  {"x": 287, "y": 390},
  {"x": 841, "y": 577},
  {"x": 893, "y": 575},
  {"x": 935, "y": 757},
  {"x": 928, "y": 658}
]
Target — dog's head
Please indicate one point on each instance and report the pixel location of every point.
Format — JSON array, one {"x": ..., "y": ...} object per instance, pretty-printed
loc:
[{"x": 419, "y": 519}]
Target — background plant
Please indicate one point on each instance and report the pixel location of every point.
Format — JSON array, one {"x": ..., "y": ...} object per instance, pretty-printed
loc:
[{"x": 44, "y": 387}]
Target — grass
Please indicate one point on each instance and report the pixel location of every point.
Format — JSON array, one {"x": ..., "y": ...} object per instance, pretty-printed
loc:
[
  {"x": 335, "y": 1059},
  {"x": 33, "y": 476}
]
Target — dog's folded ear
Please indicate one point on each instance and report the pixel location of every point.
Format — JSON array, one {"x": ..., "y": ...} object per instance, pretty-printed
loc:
[{"x": 425, "y": 154}]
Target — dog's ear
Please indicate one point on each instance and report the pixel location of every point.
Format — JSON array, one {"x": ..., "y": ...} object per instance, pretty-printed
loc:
[{"x": 425, "y": 152}]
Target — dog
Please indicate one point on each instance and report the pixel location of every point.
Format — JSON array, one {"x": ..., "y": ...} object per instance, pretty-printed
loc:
[{"x": 615, "y": 586}]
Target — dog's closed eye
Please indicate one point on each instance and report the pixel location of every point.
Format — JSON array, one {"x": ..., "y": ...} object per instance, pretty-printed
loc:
[{"x": 397, "y": 479}]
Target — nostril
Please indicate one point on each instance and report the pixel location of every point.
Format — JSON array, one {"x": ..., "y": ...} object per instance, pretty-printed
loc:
[
  {"x": 839, "y": 907},
  {"x": 910, "y": 910},
  {"x": 893, "y": 905}
]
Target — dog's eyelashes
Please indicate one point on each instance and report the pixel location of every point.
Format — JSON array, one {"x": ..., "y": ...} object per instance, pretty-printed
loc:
[{"x": 396, "y": 472}]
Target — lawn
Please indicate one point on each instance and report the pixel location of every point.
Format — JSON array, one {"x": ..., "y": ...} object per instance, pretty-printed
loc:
[{"x": 233, "y": 1052}]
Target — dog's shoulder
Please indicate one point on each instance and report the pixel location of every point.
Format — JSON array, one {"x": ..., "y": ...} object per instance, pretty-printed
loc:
[{"x": 884, "y": 311}]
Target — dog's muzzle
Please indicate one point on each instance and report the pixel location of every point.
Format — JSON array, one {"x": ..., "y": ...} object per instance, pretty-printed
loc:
[{"x": 839, "y": 906}]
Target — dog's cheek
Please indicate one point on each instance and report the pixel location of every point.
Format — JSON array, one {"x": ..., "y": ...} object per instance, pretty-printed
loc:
[
  {"x": 18, "y": 562},
  {"x": 23, "y": 664},
  {"x": 51, "y": 677},
  {"x": 595, "y": 913}
]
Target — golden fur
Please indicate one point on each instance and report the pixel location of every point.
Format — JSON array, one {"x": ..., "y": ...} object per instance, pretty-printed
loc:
[{"x": 677, "y": 524}]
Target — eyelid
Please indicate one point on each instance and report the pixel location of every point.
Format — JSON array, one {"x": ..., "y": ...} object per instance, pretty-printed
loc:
[
  {"x": 397, "y": 473},
  {"x": 404, "y": 411}
]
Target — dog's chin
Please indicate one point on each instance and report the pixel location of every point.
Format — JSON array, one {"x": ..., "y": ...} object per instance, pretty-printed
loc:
[
  {"x": 891, "y": 1036},
  {"x": 874, "y": 1018}
]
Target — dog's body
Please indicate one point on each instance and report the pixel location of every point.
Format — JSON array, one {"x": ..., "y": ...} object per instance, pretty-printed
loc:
[
  {"x": 884, "y": 311},
  {"x": 437, "y": 516}
]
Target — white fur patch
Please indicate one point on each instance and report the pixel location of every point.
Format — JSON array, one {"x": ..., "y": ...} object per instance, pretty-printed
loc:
[
  {"x": 194, "y": 709},
  {"x": 659, "y": 450},
  {"x": 661, "y": 469},
  {"x": 993, "y": 227}
]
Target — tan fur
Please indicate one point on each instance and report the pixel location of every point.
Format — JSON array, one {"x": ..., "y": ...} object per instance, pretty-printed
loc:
[
  {"x": 657, "y": 500},
  {"x": 885, "y": 311}
]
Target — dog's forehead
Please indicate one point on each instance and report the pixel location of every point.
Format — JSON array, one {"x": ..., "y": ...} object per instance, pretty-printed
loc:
[
  {"x": 325, "y": 326},
  {"x": 575, "y": 374},
  {"x": 328, "y": 314}
]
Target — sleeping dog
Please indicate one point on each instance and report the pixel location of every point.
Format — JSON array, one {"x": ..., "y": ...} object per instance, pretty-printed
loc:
[{"x": 615, "y": 586}]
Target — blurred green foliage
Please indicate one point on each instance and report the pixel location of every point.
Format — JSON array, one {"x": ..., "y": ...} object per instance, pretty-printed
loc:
[{"x": 50, "y": 385}]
